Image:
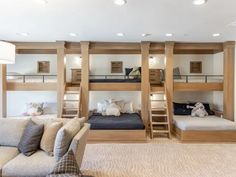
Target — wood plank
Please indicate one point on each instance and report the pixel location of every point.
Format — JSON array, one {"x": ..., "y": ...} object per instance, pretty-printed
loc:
[
  {"x": 145, "y": 84},
  {"x": 3, "y": 89},
  {"x": 205, "y": 136},
  {"x": 60, "y": 76},
  {"x": 198, "y": 86},
  {"x": 85, "y": 79},
  {"x": 229, "y": 57},
  {"x": 169, "y": 52},
  {"x": 37, "y": 45},
  {"x": 31, "y": 86},
  {"x": 198, "y": 46},
  {"x": 117, "y": 136},
  {"x": 36, "y": 51},
  {"x": 115, "y": 86},
  {"x": 157, "y": 88}
]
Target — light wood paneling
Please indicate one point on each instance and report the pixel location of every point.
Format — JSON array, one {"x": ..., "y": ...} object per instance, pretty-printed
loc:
[
  {"x": 169, "y": 52},
  {"x": 157, "y": 88},
  {"x": 31, "y": 86},
  {"x": 115, "y": 86},
  {"x": 3, "y": 96},
  {"x": 60, "y": 76},
  {"x": 229, "y": 57},
  {"x": 198, "y": 86},
  {"x": 37, "y": 45},
  {"x": 117, "y": 136},
  {"x": 145, "y": 84},
  {"x": 85, "y": 78}
]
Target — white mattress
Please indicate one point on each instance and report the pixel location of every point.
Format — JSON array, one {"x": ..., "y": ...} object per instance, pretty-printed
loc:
[
  {"x": 33, "y": 79},
  {"x": 209, "y": 123},
  {"x": 199, "y": 80}
]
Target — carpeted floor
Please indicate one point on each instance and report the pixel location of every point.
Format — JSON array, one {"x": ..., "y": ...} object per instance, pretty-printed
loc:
[{"x": 160, "y": 158}]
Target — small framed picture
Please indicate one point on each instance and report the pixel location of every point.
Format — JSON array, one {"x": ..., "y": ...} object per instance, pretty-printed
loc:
[
  {"x": 43, "y": 67},
  {"x": 195, "y": 67},
  {"x": 116, "y": 67}
]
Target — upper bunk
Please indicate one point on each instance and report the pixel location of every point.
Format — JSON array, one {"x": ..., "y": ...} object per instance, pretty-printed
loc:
[{"x": 198, "y": 67}]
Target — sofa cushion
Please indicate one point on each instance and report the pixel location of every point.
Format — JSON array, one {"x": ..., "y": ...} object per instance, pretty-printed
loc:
[
  {"x": 65, "y": 136},
  {"x": 30, "y": 140},
  {"x": 49, "y": 136},
  {"x": 14, "y": 133},
  {"x": 39, "y": 164},
  {"x": 7, "y": 154}
]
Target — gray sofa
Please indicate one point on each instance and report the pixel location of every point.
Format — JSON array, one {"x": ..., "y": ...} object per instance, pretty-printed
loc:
[{"x": 15, "y": 164}]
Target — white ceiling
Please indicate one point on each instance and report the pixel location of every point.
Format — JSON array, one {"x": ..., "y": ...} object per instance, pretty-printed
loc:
[{"x": 100, "y": 20}]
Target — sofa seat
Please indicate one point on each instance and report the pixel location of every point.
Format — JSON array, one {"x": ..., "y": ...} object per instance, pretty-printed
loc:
[
  {"x": 39, "y": 165},
  {"x": 7, "y": 154}
]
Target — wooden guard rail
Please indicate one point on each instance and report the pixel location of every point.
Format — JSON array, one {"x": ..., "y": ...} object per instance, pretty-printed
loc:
[
  {"x": 24, "y": 77},
  {"x": 206, "y": 77}
]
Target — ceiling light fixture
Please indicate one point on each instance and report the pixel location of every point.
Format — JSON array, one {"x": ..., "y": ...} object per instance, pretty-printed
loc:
[
  {"x": 120, "y": 34},
  {"x": 73, "y": 34},
  {"x": 146, "y": 35},
  {"x": 120, "y": 2},
  {"x": 42, "y": 2},
  {"x": 7, "y": 53},
  {"x": 169, "y": 34},
  {"x": 199, "y": 2},
  {"x": 216, "y": 34}
]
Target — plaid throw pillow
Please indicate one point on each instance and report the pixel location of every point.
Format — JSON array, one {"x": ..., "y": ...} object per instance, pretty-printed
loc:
[{"x": 67, "y": 166}]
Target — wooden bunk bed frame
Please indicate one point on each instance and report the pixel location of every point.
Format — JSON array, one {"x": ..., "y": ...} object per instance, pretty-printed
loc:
[{"x": 85, "y": 48}]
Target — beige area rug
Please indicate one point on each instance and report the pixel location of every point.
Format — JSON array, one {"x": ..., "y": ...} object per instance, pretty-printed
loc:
[{"x": 160, "y": 158}]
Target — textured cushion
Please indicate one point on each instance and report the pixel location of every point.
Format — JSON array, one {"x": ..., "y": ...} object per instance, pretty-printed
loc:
[
  {"x": 176, "y": 73},
  {"x": 65, "y": 136},
  {"x": 49, "y": 136},
  {"x": 14, "y": 133},
  {"x": 39, "y": 164},
  {"x": 113, "y": 110},
  {"x": 31, "y": 138},
  {"x": 181, "y": 109},
  {"x": 66, "y": 165},
  {"x": 34, "y": 109},
  {"x": 127, "y": 71},
  {"x": 7, "y": 154}
]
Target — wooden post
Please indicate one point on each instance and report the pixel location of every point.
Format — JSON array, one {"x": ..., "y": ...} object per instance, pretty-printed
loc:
[
  {"x": 3, "y": 91},
  {"x": 229, "y": 57},
  {"x": 60, "y": 76},
  {"x": 145, "y": 84},
  {"x": 169, "y": 52},
  {"x": 85, "y": 79}
]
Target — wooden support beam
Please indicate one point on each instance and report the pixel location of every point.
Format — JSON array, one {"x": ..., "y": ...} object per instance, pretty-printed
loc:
[
  {"x": 145, "y": 84},
  {"x": 60, "y": 76},
  {"x": 3, "y": 87},
  {"x": 229, "y": 57},
  {"x": 169, "y": 52},
  {"x": 85, "y": 78}
]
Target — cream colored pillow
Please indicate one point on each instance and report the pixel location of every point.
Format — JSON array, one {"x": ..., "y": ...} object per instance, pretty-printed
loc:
[{"x": 49, "y": 136}]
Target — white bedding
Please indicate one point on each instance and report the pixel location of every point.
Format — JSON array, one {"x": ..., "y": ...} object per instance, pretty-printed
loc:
[
  {"x": 45, "y": 116},
  {"x": 200, "y": 80},
  {"x": 209, "y": 123}
]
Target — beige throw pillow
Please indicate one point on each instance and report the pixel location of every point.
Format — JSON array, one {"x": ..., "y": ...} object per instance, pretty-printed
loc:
[
  {"x": 65, "y": 136},
  {"x": 49, "y": 136}
]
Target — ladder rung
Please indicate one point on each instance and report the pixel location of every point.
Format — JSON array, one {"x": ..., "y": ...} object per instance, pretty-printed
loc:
[
  {"x": 158, "y": 100},
  {"x": 71, "y": 109},
  {"x": 71, "y": 100},
  {"x": 159, "y": 109},
  {"x": 160, "y": 123},
  {"x": 160, "y": 131},
  {"x": 159, "y": 115},
  {"x": 69, "y": 115}
]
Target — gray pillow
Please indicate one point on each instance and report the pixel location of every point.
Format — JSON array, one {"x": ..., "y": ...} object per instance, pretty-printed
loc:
[
  {"x": 67, "y": 166},
  {"x": 176, "y": 73},
  {"x": 31, "y": 138}
]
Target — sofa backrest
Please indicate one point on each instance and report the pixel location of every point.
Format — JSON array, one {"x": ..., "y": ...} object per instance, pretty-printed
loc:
[{"x": 11, "y": 131}]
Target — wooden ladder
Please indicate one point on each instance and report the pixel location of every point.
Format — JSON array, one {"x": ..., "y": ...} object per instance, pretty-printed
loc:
[
  {"x": 159, "y": 114},
  {"x": 71, "y": 102}
]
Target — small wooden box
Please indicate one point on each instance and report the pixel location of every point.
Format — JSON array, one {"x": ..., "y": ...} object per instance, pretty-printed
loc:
[
  {"x": 195, "y": 67},
  {"x": 43, "y": 67},
  {"x": 75, "y": 76},
  {"x": 155, "y": 76},
  {"x": 116, "y": 67}
]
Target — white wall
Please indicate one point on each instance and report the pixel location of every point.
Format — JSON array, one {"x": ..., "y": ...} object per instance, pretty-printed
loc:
[
  {"x": 16, "y": 100},
  {"x": 235, "y": 87},
  {"x": 27, "y": 63},
  {"x": 157, "y": 62}
]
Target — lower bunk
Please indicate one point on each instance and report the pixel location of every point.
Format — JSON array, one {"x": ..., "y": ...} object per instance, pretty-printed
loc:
[
  {"x": 207, "y": 129},
  {"x": 124, "y": 128}
]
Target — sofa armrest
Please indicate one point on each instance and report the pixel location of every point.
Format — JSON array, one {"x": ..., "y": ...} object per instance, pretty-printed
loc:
[{"x": 78, "y": 143}]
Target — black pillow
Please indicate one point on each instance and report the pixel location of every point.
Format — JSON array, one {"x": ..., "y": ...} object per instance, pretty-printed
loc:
[
  {"x": 67, "y": 166},
  {"x": 140, "y": 69},
  {"x": 181, "y": 109},
  {"x": 30, "y": 140},
  {"x": 127, "y": 71}
]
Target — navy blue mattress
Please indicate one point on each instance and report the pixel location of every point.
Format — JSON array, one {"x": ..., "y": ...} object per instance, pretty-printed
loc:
[
  {"x": 114, "y": 80},
  {"x": 123, "y": 122}
]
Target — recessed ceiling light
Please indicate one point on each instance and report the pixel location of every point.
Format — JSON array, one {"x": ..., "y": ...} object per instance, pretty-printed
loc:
[
  {"x": 41, "y": 1},
  {"x": 199, "y": 2},
  {"x": 216, "y": 34},
  {"x": 146, "y": 35},
  {"x": 120, "y": 34},
  {"x": 23, "y": 34},
  {"x": 120, "y": 2},
  {"x": 73, "y": 34},
  {"x": 169, "y": 34}
]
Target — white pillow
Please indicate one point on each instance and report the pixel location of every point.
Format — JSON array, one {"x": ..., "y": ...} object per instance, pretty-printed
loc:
[
  {"x": 34, "y": 109},
  {"x": 102, "y": 106},
  {"x": 113, "y": 110},
  {"x": 128, "y": 107}
]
